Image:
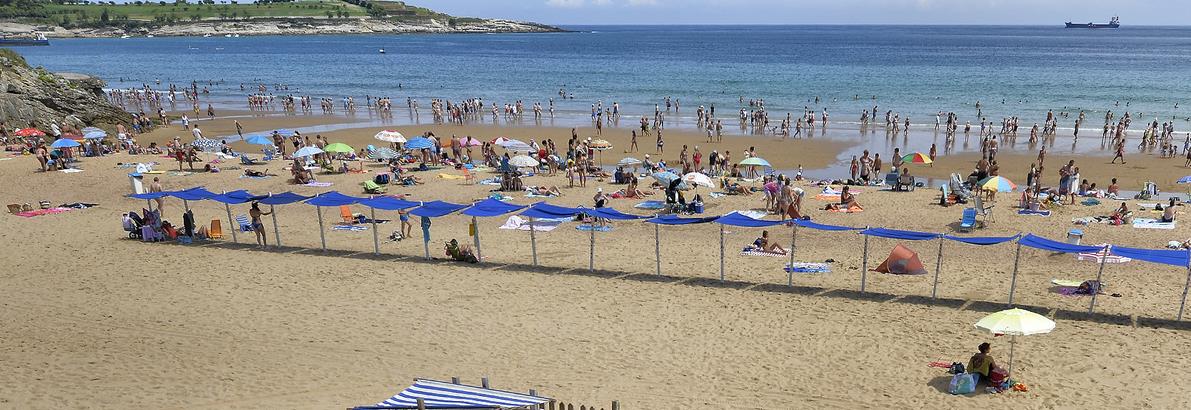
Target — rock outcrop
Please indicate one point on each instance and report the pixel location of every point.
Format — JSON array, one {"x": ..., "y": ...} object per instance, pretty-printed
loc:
[
  {"x": 291, "y": 26},
  {"x": 34, "y": 95}
]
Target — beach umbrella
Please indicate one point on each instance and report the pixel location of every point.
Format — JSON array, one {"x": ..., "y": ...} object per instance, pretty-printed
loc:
[
  {"x": 697, "y": 179},
  {"x": 64, "y": 143},
  {"x": 257, "y": 139},
  {"x": 917, "y": 158},
  {"x": 470, "y": 142},
  {"x": 29, "y": 132},
  {"x": 95, "y": 135},
  {"x": 419, "y": 143},
  {"x": 997, "y": 183},
  {"x": 1185, "y": 180},
  {"x": 629, "y": 162},
  {"x": 384, "y": 153},
  {"x": 756, "y": 162},
  {"x": 390, "y": 136},
  {"x": 523, "y": 161},
  {"x": 339, "y": 148},
  {"x": 307, "y": 151},
  {"x": 206, "y": 144},
  {"x": 665, "y": 177},
  {"x": 504, "y": 140},
  {"x": 1015, "y": 322},
  {"x": 601, "y": 146},
  {"x": 512, "y": 144}
]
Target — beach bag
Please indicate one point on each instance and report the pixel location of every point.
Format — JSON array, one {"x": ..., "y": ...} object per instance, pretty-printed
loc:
[
  {"x": 998, "y": 376},
  {"x": 1090, "y": 287},
  {"x": 963, "y": 383},
  {"x": 956, "y": 368},
  {"x": 381, "y": 179}
]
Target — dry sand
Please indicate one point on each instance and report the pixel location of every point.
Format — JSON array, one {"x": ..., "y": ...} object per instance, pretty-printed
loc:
[{"x": 95, "y": 320}]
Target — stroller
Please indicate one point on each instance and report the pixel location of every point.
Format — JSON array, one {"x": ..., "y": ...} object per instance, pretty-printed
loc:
[{"x": 133, "y": 224}]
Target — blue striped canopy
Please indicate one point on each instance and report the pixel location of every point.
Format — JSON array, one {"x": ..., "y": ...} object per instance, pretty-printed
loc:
[
  {"x": 1039, "y": 242},
  {"x": 737, "y": 219},
  {"x": 418, "y": 143},
  {"x": 236, "y": 197},
  {"x": 898, "y": 234},
  {"x": 283, "y": 198},
  {"x": 334, "y": 199},
  {"x": 982, "y": 241},
  {"x": 389, "y": 203},
  {"x": 491, "y": 207},
  {"x": 435, "y": 209},
  {"x": 609, "y": 213},
  {"x": 443, "y": 395}
]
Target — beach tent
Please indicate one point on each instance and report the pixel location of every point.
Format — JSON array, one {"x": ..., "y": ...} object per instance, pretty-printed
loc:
[
  {"x": 605, "y": 213},
  {"x": 234, "y": 197},
  {"x": 444, "y": 395},
  {"x": 741, "y": 220},
  {"x": 902, "y": 235},
  {"x": 1172, "y": 257},
  {"x": 902, "y": 261},
  {"x": 669, "y": 220},
  {"x": 329, "y": 199},
  {"x": 433, "y": 209},
  {"x": 542, "y": 210},
  {"x": 387, "y": 203},
  {"x": 283, "y": 198},
  {"x": 487, "y": 208}
]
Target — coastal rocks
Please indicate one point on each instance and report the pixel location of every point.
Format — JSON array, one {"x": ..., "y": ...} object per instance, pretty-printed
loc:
[
  {"x": 33, "y": 95},
  {"x": 295, "y": 26}
]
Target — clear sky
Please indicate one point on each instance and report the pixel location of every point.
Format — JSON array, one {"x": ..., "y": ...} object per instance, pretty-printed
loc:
[{"x": 1045, "y": 12}]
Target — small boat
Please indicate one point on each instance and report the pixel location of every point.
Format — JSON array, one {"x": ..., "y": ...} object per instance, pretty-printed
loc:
[
  {"x": 36, "y": 39},
  {"x": 382, "y": 51},
  {"x": 149, "y": 36},
  {"x": 227, "y": 35},
  {"x": 206, "y": 35},
  {"x": 125, "y": 36},
  {"x": 1114, "y": 23},
  {"x": 236, "y": 35}
]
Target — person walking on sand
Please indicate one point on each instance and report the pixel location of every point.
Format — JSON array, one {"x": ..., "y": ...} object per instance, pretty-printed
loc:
[
  {"x": 1120, "y": 153},
  {"x": 258, "y": 226},
  {"x": 633, "y": 142},
  {"x": 156, "y": 187},
  {"x": 660, "y": 142}
]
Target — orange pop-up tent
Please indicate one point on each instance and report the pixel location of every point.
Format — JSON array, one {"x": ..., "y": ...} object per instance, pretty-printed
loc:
[{"x": 902, "y": 261}]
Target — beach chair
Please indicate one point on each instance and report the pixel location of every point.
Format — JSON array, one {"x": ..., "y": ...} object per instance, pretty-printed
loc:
[
  {"x": 944, "y": 194},
  {"x": 244, "y": 160},
  {"x": 245, "y": 224},
  {"x": 371, "y": 187},
  {"x": 468, "y": 176},
  {"x": 345, "y": 212},
  {"x": 891, "y": 180},
  {"x": 269, "y": 154},
  {"x": 981, "y": 210},
  {"x": 216, "y": 230},
  {"x": 967, "y": 222}
]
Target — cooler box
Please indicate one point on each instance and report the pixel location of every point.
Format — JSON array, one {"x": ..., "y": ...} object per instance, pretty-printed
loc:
[{"x": 1074, "y": 236}]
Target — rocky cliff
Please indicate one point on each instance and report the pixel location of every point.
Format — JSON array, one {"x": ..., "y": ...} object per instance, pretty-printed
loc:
[
  {"x": 34, "y": 95},
  {"x": 290, "y": 26}
]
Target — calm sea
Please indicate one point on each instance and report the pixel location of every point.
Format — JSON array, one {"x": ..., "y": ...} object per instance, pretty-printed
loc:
[{"x": 916, "y": 71}]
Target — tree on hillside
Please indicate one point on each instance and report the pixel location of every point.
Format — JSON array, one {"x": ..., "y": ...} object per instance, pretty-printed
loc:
[{"x": 104, "y": 17}]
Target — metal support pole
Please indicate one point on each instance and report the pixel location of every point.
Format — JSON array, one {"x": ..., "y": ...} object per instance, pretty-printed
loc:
[
  {"x": 934, "y": 290},
  {"x": 790, "y": 268},
  {"x": 533, "y": 242},
  {"x": 657, "y": 252},
  {"x": 231, "y": 222},
  {"x": 276, "y": 231},
  {"x": 375, "y": 235},
  {"x": 721, "y": 252},
  {"x": 1185, "y": 286},
  {"x": 186, "y": 205},
  {"x": 476, "y": 226},
  {"x": 1099, "y": 274},
  {"x": 1013, "y": 280},
  {"x": 149, "y": 202},
  {"x": 426, "y": 242},
  {"x": 591, "y": 248},
  {"x": 322, "y": 235},
  {"x": 864, "y": 264},
  {"x": 1012, "y": 342}
]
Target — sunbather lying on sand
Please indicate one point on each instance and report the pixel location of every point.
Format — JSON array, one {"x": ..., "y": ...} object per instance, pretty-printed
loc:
[
  {"x": 256, "y": 174},
  {"x": 544, "y": 191},
  {"x": 736, "y": 189}
]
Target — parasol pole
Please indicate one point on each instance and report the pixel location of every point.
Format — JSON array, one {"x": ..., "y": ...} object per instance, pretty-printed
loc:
[
  {"x": 1013, "y": 281},
  {"x": 938, "y": 266},
  {"x": 375, "y": 235},
  {"x": 721, "y": 252},
  {"x": 533, "y": 242},
  {"x": 322, "y": 236},
  {"x": 657, "y": 255},
  {"x": 230, "y": 222},
  {"x": 790, "y": 269},
  {"x": 476, "y": 227},
  {"x": 864, "y": 264},
  {"x": 1012, "y": 342},
  {"x": 1099, "y": 274},
  {"x": 1185, "y": 286}
]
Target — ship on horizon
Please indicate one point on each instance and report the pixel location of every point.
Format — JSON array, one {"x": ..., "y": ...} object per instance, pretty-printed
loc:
[{"x": 1114, "y": 23}]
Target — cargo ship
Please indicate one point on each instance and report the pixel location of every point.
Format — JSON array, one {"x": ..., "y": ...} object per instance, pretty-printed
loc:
[
  {"x": 34, "y": 39},
  {"x": 1114, "y": 23}
]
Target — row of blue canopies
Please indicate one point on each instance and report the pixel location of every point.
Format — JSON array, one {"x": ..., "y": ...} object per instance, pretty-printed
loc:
[{"x": 542, "y": 210}]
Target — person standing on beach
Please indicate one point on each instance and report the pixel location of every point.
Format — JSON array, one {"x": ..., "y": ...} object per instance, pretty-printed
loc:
[
  {"x": 156, "y": 187},
  {"x": 239, "y": 128},
  {"x": 855, "y": 168},
  {"x": 633, "y": 142},
  {"x": 257, "y": 226},
  {"x": 660, "y": 142}
]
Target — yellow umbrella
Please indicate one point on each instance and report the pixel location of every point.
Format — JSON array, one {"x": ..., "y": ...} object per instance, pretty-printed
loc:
[
  {"x": 997, "y": 184},
  {"x": 1015, "y": 322}
]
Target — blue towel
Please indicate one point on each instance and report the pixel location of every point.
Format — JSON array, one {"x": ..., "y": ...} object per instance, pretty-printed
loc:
[
  {"x": 597, "y": 228},
  {"x": 650, "y": 205},
  {"x": 1028, "y": 212},
  {"x": 350, "y": 228}
]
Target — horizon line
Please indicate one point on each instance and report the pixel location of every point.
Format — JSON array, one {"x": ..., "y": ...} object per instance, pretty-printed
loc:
[{"x": 851, "y": 24}]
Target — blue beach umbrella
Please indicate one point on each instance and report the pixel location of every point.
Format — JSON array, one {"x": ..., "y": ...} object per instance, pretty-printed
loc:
[
  {"x": 665, "y": 177},
  {"x": 64, "y": 143},
  {"x": 95, "y": 135},
  {"x": 1185, "y": 180},
  {"x": 258, "y": 140},
  {"x": 419, "y": 143}
]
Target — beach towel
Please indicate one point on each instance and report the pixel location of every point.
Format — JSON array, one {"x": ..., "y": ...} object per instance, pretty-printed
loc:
[
  {"x": 717, "y": 194},
  {"x": 491, "y": 181},
  {"x": 828, "y": 197},
  {"x": 40, "y": 212},
  {"x": 1090, "y": 202},
  {"x": 1147, "y": 206},
  {"x": 751, "y": 251},
  {"x": 71, "y": 170},
  {"x": 650, "y": 205},
  {"x": 1028, "y": 212},
  {"x": 852, "y": 210},
  {"x": 533, "y": 195},
  {"x": 252, "y": 177},
  {"x": 319, "y": 184},
  {"x": 807, "y": 267},
  {"x": 597, "y": 228},
  {"x": 179, "y": 173},
  {"x": 350, "y": 228},
  {"x": 1096, "y": 256},
  {"x": 539, "y": 225},
  {"x": 752, "y": 214},
  {"x": 1146, "y": 223},
  {"x": 451, "y": 176}
]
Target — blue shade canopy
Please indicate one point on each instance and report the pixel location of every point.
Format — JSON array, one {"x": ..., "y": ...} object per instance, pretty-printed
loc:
[
  {"x": 736, "y": 219},
  {"x": 64, "y": 143},
  {"x": 389, "y": 203},
  {"x": 334, "y": 199},
  {"x": 1163, "y": 256},
  {"x": 435, "y": 209},
  {"x": 1038, "y": 242},
  {"x": 609, "y": 213},
  {"x": 491, "y": 207},
  {"x": 284, "y": 132},
  {"x": 806, "y": 223},
  {"x": 674, "y": 220},
  {"x": 283, "y": 198},
  {"x": 982, "y": 241},
  {"x": 150, "y": 195},
  {"x": 258, "y": 140},
  {"x": 547, "y": 211},
  {"x": 236, "y": 197},
  {"x": 418, "y": 143},
  {"x": 192, "y": 194},
  {"x": 898, "y": 234}
]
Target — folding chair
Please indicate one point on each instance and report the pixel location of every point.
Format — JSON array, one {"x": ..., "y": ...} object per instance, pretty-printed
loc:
[
  {"x": 968, "y": 221},
  {"x": 468, "y": 176},
  {"x": 345, "y": 212},
  {"x": 982, "y": 210},
  {"x": 245, "y": 224},
  {"x": 216, "y": 230}
]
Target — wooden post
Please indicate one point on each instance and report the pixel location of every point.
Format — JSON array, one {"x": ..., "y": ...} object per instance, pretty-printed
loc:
[
  {"x": 1099, "y": 274},
  {"x": 1013, "y": 279},
  {"x": 721, "y": 252},
  {"x": 322, "y": 234},
  {"x": 615, "y": 405},
  {"x": 934, "y": 290},
  {"x": 454, "y": 380},
  {"x": 484, "y": 382},
  {"x": 421, "y": 404},
  {"x": 533, "y": 242},
  {"x": 571, "y": 406},
  {"x": 657, "y": 248},
  {"x": 375, "y": 234},
  {"x": 552, "y": 404},
  {"x": 864, "y": 264}
]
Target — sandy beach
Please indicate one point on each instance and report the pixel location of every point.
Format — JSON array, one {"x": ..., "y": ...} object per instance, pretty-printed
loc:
[{"x": 94, "y": 319}]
